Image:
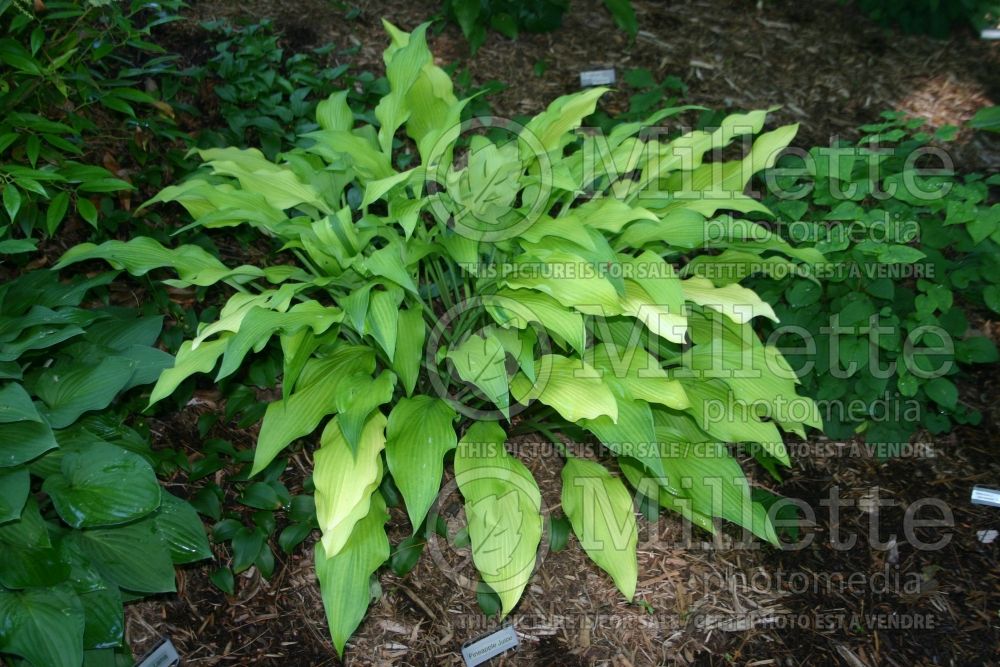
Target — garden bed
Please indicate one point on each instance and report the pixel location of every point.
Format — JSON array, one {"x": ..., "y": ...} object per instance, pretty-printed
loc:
[{"x": 831, "y": 71}]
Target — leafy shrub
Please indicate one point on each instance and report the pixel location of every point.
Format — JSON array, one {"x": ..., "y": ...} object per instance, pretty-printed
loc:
[
  {"x": 266, "y": 97},
  {"x": 84, "y": 525},
  {"x": 911, "y": 246},
  {"x": 58, "y": 67},
  {"x": 933, "y": 17},
  {"x": 512, "y": 17},
  {"x": 518, "y": 274}
]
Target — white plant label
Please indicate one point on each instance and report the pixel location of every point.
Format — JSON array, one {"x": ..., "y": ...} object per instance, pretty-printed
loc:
[
  {"x": 982, "y": 495},
  {"x": 482, "y": 649},
  {"x": 597, "y": 77},
  {"x": 164, "y": 655}
]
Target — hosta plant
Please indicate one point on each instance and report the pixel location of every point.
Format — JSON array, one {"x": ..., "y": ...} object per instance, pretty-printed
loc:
[
  {"x": 526, "y": 278},
  {"x": 84, "y": 524}
]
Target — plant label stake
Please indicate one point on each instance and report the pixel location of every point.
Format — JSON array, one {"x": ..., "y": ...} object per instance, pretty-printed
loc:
[
  {"x": 479, "y": 650},
  {"x": 164, "y": 655},
  {"x": 597, "y": 77},
  {"x": 982, "y": 495}
]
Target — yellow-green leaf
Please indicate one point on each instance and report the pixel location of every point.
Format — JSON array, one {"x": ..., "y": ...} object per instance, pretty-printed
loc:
[
  {"x": 502, "y": 505},
  {"x": 419, "y": 433},
  {"x": 345, "y": 480},
  {"x": 600, "y": 509}
]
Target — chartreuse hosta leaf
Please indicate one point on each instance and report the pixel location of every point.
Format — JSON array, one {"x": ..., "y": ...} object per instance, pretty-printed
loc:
[
  {"x": 344, "y": 578},
  {"x": 481, "y": 361},
  {"x": 600, "y": 509},
  {"x": 420, "y": 432},
  {"x": 571, "y": 386},
  {"x": 345, "y": 480},
  {"x": 409, "y": 347},
  {"x": 737, "y": 303},
  {"x": 569, "y": 265},
  {"x": 314, "y": 398},
  {"x": 502, "y": 505}
]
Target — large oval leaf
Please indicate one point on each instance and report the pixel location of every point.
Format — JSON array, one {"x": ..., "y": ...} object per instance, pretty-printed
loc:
[
  {"x": 571, "y": 386},
  {"x": 43, "y": 626},
  {"x": 69, "y": 392},
  {"x": 103, "y": 485},
  {"x": 14, "y": 486},
  {"x": 179, "y": 526},
  {"x": 133, "y": 556},
  {"x": 503, "y": 507},
  {"x": 481, "y": 361},
  {"x": 24, "y": 441},
  {"x": 313, "y": 399}
]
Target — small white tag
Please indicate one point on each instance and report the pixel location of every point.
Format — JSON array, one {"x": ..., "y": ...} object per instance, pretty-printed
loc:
[
  {"x": 597, "y": 77},
  {"x": 987, "y": 536},
  {"x": 478, "y": 651},
  {"x": 990, "y": 33},
  {"x": 164, "y": 655},
  {"x": 984, "y": 496}
]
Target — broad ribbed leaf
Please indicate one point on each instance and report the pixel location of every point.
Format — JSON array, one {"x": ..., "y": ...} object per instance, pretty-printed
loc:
[
  {"x": 633, "y": 431},
  {"x": 657, "y": 489},
  {"x": 344, "y": 577},
  {"x": 553, "y": 128},
  {"x": 572, "y": 281},
  {"x": 103, "y": 485},
  {"x": 481, "y": 361},
  {"x": 182, "y": 530},
  {"x": 143, "y": 254},
  {"x": 520, "y": 307},
  {"x": 30, "y": 566},
  {"x": 333, "y": 113},
  {"x": 600, "y": 509},
  {"x": 43, "y": 625},
  {"x": 345, "y": 479},
  {"x": 502, "y": 505},
  {"x": 279, "y": 185},
  {"x": 409, "y": 347},
  {"x": 357, "y": 396},
  {"x": 104, "y": 622},
  {"x": 382, "y": 321},
  {"x": 714, "y": 481},
  {"x": 639, "y": 374},
  {"x": 420, "y": 432},
  {"x": 260, "y": 324},
  {"x": 70, "y": 392},
  {"x": 16, "y": 405},
  {"x": 314, "y": 398},
  {"x": 737, "y": 303},
  {"x": 571, "y": 386},
  {"x": 132, "y": 556},
  {"x": 24, "y": 441},
  {"x": 201, "y": 359}
]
